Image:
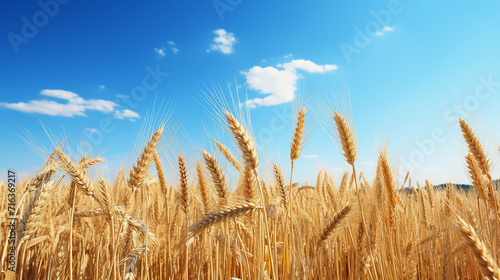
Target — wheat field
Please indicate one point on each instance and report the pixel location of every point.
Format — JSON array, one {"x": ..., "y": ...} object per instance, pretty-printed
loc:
[{"x": 71, "y": 225}]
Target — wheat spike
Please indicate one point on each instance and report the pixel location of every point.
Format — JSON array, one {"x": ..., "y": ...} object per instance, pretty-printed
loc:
[
  {"x": 139, "y": 170},
  {"x": 183, "y": 196},
  {"x": 335, "y": 223},
  {"x": 347, "y": 138},
  {"x": 298, "y": 139},
  {"x": 280, "y": 181},
  {"x": 218, "y": 177},
  {"x": 229, "y": 156},
  {"x": 224, "y": 214},
  {"x": 475, "y": 148},
  {"x": 483, "y": 259},
  {"x": 245, "y": 142}
]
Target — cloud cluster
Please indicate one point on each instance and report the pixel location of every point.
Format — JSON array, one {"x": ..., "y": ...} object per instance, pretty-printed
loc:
[
  {"x": 74, "y": 106},
  {"x": 223, "y": 42},
  {"x": 385, "y": 30},
  {"x": 279, "y": 84},
  {"x": 161, "y": 52}
]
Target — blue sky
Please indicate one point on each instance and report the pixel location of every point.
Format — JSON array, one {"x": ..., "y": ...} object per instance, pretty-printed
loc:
[{"x": 74, "y": 66}]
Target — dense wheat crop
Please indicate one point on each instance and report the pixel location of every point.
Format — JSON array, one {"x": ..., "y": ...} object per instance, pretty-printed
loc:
[{"x": 70, "y": 225}]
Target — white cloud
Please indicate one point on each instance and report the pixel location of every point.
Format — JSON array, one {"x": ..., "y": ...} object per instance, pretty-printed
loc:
[
  {"x": 310, "y": 156},
  {"x": 121, "y": 96},
  {"x": 131, "y": 115},
  {"x": 385, "y": 30},
  {"x": 74, "y": 106},
  {"x": 280, "y": 85},
  {"x": 171, "y": 43},
  {"x": 175, "y": 50},
  {"x": 223, "y": 42},
  {"x": 288, "y": 55},
  {"x": 92, "y": 130},
  {"x": 102, "y": 87},
  {"x": 160, "y": 52}
]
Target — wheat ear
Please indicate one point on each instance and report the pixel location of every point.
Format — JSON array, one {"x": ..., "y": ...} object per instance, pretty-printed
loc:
[
  {"x": 139, "y": 171},
  {"x": 476, "y": 176},
  {"x": 280, "y": 181},
  {"x": 298, "y": 139},
  {"x": 483, "y": 259},
  {"x": 245, "y": 142},
  {"x": 229, "y": 156},
  {"x": 204, "y": 190},
  {"x": 183, "y": 196},
  {"x": 475, "y": 148},
  {"x": 218, "y": 216},
  {"x": 335, "y": 223},
  {"x": 218, "y": 177},
  {"x": 347, "y": 138}
]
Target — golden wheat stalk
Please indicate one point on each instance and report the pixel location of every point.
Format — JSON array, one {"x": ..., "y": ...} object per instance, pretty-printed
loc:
[
  {"x": 334, "y": 224},
  {"x": 204, "y": 190},
  {"x": 229, "y": 156},
  {"x": 139, "y": 170},
  {"x": 347, "y": 138},
  {"x": 244, "y": 140},
  {"x": 218, "y": 177},
  {"x": 161, "y": 173},
  {"x": 298, "y": 136},
  {"x": 218, "y": 216},
  {"x": 475, "y": 148},
  {"x": 484, "y": 261},
  {"x": 183, "y": 196},
  {"x": 280, "y": 181},
  {"x": 476, "y": 176}
]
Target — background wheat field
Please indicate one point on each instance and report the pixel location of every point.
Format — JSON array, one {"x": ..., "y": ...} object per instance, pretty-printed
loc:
[{"x": 71, "y": 225}]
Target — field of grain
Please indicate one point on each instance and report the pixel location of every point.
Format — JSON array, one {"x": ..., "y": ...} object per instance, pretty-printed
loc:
[{"x": 138, "y": 226}]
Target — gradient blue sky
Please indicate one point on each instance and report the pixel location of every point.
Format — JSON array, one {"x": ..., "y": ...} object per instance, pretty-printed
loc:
[{"x": 403, "y": 61}]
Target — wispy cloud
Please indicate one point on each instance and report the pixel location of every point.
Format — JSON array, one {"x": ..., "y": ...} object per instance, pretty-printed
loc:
[
  {"x": 160, "y": 52},
  {"x": 223, "y": 42},
  {"x": 385, "y": 30},
  {"x": 126, "y": 114},
  {"x": 102, "y": 87},
  {"x": 310, "y": 156},
  {"x": 279, "y": 85},
  {"x": 288, "y": 55},
  {"x": 74, "y": 106},
  {"x": 92, "y": 130}
]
